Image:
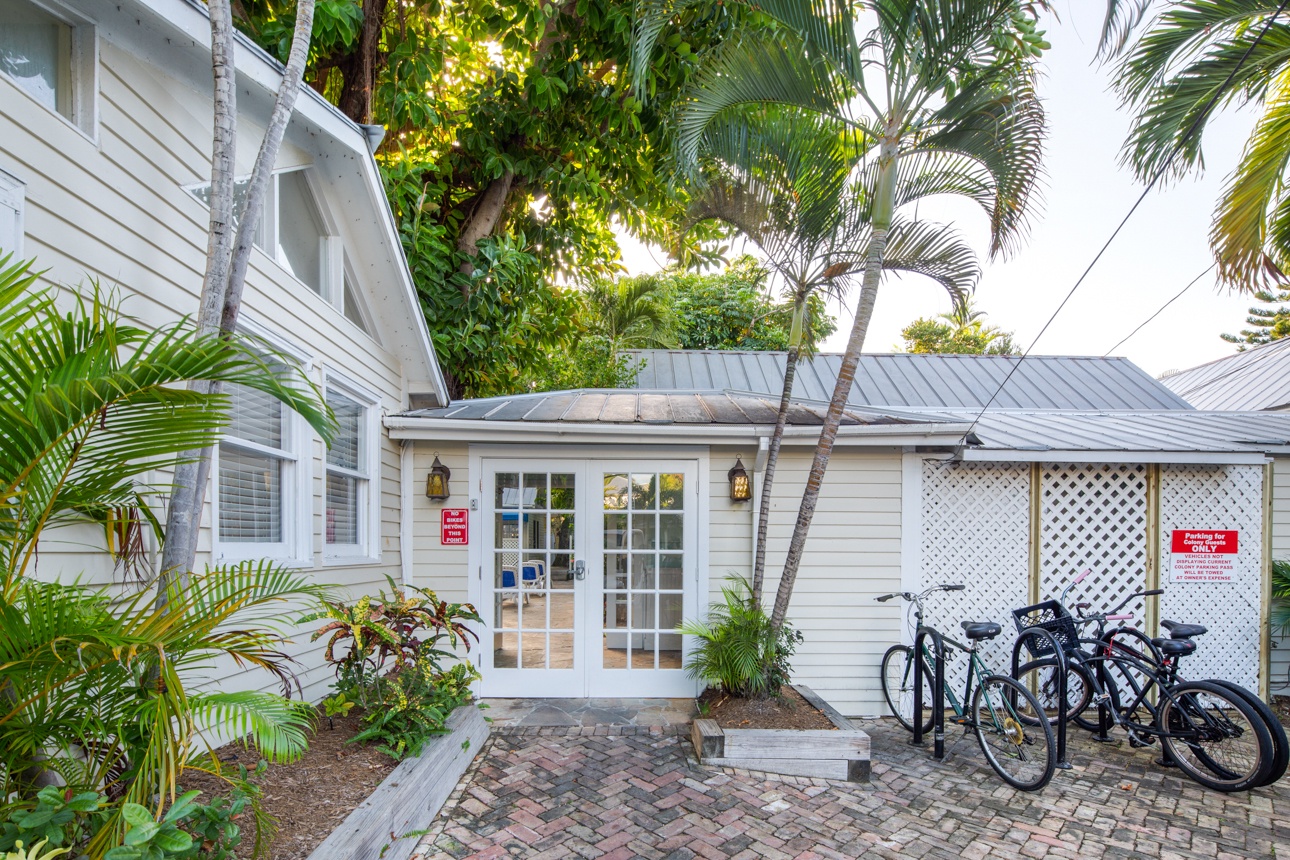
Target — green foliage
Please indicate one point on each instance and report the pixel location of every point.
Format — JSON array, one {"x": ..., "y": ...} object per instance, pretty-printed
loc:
[
  {"x": 93, "y": 682},
  {"x": 392, "y": 663},
  {"x": 732, "y": 309},
  {"x": 1265, "y": 324},
  {"x": 148, "y": 838},
  {"x": 216, "y": 834},
  {"x": 60, "y": 817},
  {"x": 737, "y": 648},
  {"x": 962, "y": 331},
  {"x": 21, "y": 851},
  {"x": 526, "y": 98},
  {"x": 1281, "y": 594}
]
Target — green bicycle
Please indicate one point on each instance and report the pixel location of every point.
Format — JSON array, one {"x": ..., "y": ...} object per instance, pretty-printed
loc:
[{"x": 1002, "y": 714}]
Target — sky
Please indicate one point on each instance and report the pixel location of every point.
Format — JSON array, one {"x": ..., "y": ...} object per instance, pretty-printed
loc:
[{"x": 1086, "y": 193}]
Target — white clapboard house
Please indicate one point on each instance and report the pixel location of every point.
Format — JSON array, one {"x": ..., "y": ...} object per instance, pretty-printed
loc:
[
  {"x": 586, "y": 524},
  {"x": 105, "y": 143}
]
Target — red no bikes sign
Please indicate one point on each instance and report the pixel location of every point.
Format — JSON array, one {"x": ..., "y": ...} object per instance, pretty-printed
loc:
[{"x": 1203, "y": 555}]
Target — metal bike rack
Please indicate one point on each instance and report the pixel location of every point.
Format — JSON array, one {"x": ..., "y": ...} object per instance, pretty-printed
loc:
[
  {"x": 938, "y": 691},
  {"x": 1063, "y": 668}
]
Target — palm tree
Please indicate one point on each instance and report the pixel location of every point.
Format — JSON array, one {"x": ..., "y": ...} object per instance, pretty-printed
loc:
[
  {"x": 939, "y": 96},
  {"x": 92, "y": 683},
  {"x": 630, "y": 314},
  {"x": 786, "y": 182},
  {"x": 1196, "y": 56}
]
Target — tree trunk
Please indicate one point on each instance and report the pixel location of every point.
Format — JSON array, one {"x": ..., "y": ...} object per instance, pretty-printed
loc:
[
  {"x": 358, "y": 70},
  {"x": 772, "y": 454},
  {"x": 183, "y": 519},
  {"x": 884, "y": 204},
  {"x": 488, "y": 211}
]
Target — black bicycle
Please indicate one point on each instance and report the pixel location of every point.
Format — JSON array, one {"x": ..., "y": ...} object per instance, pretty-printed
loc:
[
  {"x": 1211, "y": 729},
  {"x": 1017, "y": 744}
]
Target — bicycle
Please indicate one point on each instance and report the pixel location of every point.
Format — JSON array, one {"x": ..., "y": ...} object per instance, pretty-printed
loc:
[
  {"x": 1021, "y": 751},
  {"x": 1211, "y": 730}
]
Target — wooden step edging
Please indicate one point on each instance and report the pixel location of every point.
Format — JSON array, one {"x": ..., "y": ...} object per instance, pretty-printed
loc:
[
  {"x": 389, "y": 824},
  {"x": 841, "y": 753}
]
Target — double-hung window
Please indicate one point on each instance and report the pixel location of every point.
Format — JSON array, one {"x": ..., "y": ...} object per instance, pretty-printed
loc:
[
  {"x": 351, "y": 524},
  {"x": 49, "y": 58},
  {"x": 263, "y": 511}
]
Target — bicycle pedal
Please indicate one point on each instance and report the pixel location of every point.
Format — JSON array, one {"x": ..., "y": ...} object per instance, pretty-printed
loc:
[{"x": 1138, "y": 742}]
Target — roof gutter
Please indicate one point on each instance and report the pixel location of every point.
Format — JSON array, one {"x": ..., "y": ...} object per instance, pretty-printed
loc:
[
  {"x": 451, "y": 429},
  {"x": 1046, "y": 455}
]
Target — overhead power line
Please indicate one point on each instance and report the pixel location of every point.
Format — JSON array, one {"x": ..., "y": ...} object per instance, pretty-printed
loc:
[
  {"x": 1200, "y": 117},
  {"x": 1161, "y": 309}
]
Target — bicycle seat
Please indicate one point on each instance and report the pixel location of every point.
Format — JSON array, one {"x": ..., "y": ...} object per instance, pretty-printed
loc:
[
  {"x": 1174, "y": 647},
  {"x": 981, "y": 629},
  {"x": 1183, "y": 631}
]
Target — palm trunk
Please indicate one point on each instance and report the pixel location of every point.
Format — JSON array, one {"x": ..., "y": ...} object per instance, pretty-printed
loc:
[
  {"x": 884, "y": 204},
  {"x": 183, "y": 517},
  {"x": 772, "y": 455},
  {"x": 222, "y": 298}
]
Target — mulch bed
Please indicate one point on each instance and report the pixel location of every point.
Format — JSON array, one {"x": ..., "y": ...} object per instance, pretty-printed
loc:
[
  {"x": 310, "y": 797},
  {"x": 788, "y": 711},
  {"x": 1281, "y": 707}
]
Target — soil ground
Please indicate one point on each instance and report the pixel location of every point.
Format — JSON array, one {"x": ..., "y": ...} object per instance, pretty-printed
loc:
[
  {"x": 789, "y": 711},
  {"x": 309, "y": 797}
]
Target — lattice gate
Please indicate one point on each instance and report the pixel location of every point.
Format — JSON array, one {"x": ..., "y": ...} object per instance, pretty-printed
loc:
[
  {"x": 1217, "y": 497},
  {"x": 1094, "y": 516},
  {"x": 975, "y": 530}
]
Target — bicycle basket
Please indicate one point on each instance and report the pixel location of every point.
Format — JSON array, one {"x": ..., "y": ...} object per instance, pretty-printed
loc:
[{"x": 1051, "y": 616}]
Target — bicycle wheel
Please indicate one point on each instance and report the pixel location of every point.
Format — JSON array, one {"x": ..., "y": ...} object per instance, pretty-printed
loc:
[
  {"x": 1040, "y": 678},
  {"x": 898, "y": 687},
  {"x": 1217, "y": 738},
  {"x": 1280, "y": 746},
  {"x": 1023, "y": 756}
]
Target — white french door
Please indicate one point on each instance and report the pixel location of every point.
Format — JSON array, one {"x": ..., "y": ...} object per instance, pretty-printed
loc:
[{"x": 587, "y": 568}]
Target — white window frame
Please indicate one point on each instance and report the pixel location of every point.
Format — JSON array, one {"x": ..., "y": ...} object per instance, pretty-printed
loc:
[
  {"x": 368, "y": 548},
  {"x": 295, "y": 549},
  {"x": 333, "y": 263},
  {"x": 84, "y": 70},
  {"x": 13, "y": 196}
]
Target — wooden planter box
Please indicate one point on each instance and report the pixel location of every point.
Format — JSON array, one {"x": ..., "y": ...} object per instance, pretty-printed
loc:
[
  {"x": 842, "y": 754},
  {"x": 389, "y": 824}
]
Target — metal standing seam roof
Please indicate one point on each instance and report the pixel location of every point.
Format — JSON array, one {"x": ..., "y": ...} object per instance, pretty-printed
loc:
[
  {"x": 1256, "y": 379},
  {"x": 1163, "y": 431},
  {"x": 650, "y": 407},
  {"x": 920, "y": 381}
]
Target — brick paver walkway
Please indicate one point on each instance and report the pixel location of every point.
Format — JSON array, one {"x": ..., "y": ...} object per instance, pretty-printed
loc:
[{"x": 618, "y": 793}]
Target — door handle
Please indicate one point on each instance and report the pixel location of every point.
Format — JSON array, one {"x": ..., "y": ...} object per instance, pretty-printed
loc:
[{"x": 579, "y": 569}]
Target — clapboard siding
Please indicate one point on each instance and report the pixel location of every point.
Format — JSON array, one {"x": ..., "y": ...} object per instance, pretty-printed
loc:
[
  {"x": 113, "y": 209},
  {"x": 1279, "y": 677},
  {"x": 440, "y": 568},
  {"x": 851, "y": 556}
]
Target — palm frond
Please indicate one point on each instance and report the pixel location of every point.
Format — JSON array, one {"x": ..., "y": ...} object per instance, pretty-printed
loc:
[
  {"x": 1122, "y": 18},
  {"x": 1255, "y": 191},
  {"x": 935, "y": 251},
  {"x": 275, "y": 727}
]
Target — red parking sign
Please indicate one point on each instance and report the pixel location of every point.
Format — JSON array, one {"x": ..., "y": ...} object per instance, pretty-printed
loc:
[{"x": 454, "y": 527}]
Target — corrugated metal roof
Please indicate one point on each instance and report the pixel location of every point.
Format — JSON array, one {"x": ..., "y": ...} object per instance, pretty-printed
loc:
[
  {"x": 1165, "y": 431},
  {"x": 1256, "y": 379},
  {"x": 650, "y": 407},
  {"x": 916, "y": 381}
]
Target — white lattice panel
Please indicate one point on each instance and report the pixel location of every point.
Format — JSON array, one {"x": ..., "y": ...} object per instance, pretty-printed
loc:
[
  {"x": 976, "y": 530},
  {"x": 1216, "y": 497},
  {"x": 1094, "y": 517}
]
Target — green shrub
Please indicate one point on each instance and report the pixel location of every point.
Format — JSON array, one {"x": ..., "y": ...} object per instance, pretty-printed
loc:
[
  {"x": 738, "y": 649},
  {"x": 392, "y": 664},
  {"x": 1281, "y": 595}
]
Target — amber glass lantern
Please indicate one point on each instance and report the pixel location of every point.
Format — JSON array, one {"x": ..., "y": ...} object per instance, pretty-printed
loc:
[
  {"x": 740, "y": 483},
  {"x": 437, "y": 481}
]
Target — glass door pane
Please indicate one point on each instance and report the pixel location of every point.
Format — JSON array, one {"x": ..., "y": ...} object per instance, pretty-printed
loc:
[
  {"x": 646, "y": 539},
  {"x": 529, "y": 571}
]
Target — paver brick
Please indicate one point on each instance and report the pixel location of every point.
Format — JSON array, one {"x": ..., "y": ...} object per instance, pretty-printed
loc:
[{"x": 617, "y": 792}]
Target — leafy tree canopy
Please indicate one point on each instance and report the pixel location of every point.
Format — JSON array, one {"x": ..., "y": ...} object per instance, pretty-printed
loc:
[
  {"x": 962, "y": 331},
  {"x": 1266, "y": 324},
  {"x": 733, "y": 309},
  {"x": 515, "y": 142}
]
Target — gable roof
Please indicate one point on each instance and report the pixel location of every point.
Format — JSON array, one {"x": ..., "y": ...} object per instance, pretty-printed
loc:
[
  {"x": 919, "y": 381},
  {"x": 1257, "y": 379},
  {"x": 175, "y": 36}
]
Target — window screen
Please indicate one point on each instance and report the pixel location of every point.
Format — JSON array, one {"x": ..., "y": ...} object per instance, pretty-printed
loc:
[
  {"x": 36, "y": 50},
  {"x": 347, "y": 478}
]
